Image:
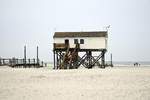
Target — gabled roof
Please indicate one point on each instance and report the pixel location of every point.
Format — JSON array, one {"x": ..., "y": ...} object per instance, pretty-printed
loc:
[{"x": 81, "y": 34}]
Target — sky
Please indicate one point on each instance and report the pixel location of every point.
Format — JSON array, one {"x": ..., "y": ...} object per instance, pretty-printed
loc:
[{"x": 33, "y": 23}]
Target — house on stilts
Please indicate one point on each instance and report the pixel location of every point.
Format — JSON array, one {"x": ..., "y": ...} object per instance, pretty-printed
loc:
[{"x": 68, "y": 46}]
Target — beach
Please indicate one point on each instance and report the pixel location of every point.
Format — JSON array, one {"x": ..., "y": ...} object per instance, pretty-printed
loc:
[{"x": 117, "y": 83}]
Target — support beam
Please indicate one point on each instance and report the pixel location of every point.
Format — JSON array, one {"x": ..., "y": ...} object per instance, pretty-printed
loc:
[
  {"x": 97, "y": 59},
  {"x": 103, "y": 59},
  {"x": 90, "y": 59},
  {"x": 54, "y": 59},
  {"x": 60, "y": 58},
  {"x": 57, "y": 62},
  {"x": 80, "y": 60},
  {"x": 69, "y": 59}
]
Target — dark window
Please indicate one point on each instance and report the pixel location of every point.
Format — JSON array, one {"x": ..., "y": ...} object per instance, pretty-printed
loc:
[
  {"x": 81, "y": 41},
  {"x": 66, "y": 41},
  {"x": 75, "y": 41}
]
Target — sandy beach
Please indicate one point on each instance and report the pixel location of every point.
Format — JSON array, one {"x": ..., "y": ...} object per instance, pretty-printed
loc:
[{"x": 118, "y": 83}]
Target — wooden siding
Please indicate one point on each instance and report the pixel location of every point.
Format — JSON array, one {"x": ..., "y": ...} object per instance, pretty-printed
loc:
[{"x": 89, "y": 42}]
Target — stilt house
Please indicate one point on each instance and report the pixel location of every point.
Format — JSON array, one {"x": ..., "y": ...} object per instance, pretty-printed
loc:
[{"x": 67, "y": 46}]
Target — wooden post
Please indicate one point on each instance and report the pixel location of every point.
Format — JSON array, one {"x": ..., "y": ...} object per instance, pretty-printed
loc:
[
  {"x": 60, "y": 58},
  {"x": 37, "y": 55},
  {"x": 90, "y": 60},
  {"x": 0, "y": 62},
  {"x": 111, "y": 60},
  {"x": 34, "y": 63},
  {"x": 103, "y": 59},
  {"x": 25, "y": 55},
  {"x": 57, "y": 60},
  {"x": 54, "y": 59}
]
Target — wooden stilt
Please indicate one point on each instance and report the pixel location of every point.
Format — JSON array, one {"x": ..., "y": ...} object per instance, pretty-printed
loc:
[
  {"x": 90, "y": 59},
  {"x": 37, "y": 56},
  {"x": 57, "y": 62},
  {"x": 0, "y": 62},
  {"x": 111, "y": 61},
  {"x": 54, "y": 59},
  {"x": 103, "y": 59},
  {"x": 68, "y": 58},
  {"x": 60, "y": 58}
]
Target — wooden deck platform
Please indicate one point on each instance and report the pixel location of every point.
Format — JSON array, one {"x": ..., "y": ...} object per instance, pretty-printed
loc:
[{"x": 34, "y": 63}]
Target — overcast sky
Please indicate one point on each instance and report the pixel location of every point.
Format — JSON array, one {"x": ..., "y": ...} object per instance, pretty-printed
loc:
[{"x": 33, "y": 22}]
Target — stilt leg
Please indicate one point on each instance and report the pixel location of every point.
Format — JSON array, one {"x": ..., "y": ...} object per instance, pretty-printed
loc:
[
  {"x": 57, "y": 60},
  {"x": 103, "y": 59},
  {"x": 54, "y": 59}
]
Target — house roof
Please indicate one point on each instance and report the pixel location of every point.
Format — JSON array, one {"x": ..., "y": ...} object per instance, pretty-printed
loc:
[{"x": 81, "y": 34}]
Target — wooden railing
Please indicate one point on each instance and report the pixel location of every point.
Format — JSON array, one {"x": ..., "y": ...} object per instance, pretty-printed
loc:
[
  {"x": 59, "y": 45},
  {"x": 21, "y": 62}
]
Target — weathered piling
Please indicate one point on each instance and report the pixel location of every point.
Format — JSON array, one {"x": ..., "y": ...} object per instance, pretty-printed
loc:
[{"x": 111, "y": 61}]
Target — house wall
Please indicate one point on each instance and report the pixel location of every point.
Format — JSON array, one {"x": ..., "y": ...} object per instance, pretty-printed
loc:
[{"x": 89, "y": 42}]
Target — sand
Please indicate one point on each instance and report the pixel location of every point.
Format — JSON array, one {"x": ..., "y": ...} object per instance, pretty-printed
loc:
[{"x": 118, "y": 83}]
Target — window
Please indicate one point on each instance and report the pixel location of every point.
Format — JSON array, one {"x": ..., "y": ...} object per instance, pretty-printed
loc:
[
  {"x": 81, "y": 41},
  {"x": 66, "y": 41},
  {"x": 75, "y": 41}
]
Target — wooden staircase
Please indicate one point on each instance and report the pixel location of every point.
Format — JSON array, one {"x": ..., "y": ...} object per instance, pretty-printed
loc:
[
  {"x": 73, "y": 57},
  {"x": 64, "y": 59},
  {"x": 69, "y": 57}
]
